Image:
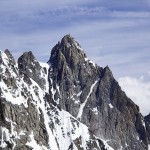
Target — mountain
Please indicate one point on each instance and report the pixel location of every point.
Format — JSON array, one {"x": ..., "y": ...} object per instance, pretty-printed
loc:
[{"x": 70, "y": 103}]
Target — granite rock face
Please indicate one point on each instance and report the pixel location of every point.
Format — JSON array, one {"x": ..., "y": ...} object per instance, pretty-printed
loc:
[{"x": 92, "y": 95}]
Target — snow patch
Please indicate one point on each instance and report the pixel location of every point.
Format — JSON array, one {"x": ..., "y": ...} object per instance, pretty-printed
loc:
[
  {"x": 57, "y": 87},
  {"x": 79, "y": 93},
  {"x": 110, "y": 105},
  {"x": 8, "y": 136},
  {"x": 92, "y": 63},
  {"x": 5, "y": 136},
  {"x": 106, "y": 145},
  {"x": 32, "y": 143},
  {"x": 4, "y": 57},
  {"x": 40, "y": 103},
  {"x": 143, "y": 124},
  {"x": 68, "y": 130},
  {"x": 95, "y": 111},
  {"x": 78, "y": 46},
  {"x": 86, "y": 59},
  {"x": 126, "y": 145},
  {"x": 13, "y": 97},
  {"x": 83, "y": 104}
]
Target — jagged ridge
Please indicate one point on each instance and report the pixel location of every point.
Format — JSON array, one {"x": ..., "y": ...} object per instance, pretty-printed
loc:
[{"x": 29, "y": 118}]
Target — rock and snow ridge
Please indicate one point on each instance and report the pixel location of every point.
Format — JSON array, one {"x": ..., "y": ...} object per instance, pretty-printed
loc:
[
  {"x": 68, "y": 104},
  {"x": 46, "y": 127}
]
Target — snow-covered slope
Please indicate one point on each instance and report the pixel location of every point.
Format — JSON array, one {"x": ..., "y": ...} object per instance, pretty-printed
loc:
[{"x": 30, "y": 119}]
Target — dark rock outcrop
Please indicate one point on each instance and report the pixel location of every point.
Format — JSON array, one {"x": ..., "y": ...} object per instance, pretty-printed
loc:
[{"x": 31, "y": 67}]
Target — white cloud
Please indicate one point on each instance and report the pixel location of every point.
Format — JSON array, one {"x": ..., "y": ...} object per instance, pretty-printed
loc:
[{"x": 138, "y": 90}]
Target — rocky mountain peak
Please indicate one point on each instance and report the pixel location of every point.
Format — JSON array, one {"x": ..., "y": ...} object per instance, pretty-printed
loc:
[
  {"x": 7, "y": 56},
  {"x": 28, "y": 64},
  {"x": 10, "y": 57},
  {"x": 27, "y": 57},
  {"x": 92, "y": 95},
  {"x": 67, "y": 39},
  {"x": 67, "y": 51}
]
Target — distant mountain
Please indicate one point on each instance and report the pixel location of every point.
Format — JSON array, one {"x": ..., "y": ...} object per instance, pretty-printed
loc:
[{"x": 70, "y": 103}]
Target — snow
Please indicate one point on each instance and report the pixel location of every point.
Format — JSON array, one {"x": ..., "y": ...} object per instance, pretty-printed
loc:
[
  {"x": 4, "y": 57},
  {"x": 4, "y": 137},
  {"x": 95, "y": 111},
  {"x": 143, "y": 124},
  {"x": 57, "y": 87},
  {"x": 79, "y": 93},
  {"x": 68, "y": 45},
  {"x": 63, "y": 130},
  {"x": 16, "y": 98},
  {"x": 106, "y": 145},
  {"x": 68, "y": 130},
  {"x": 39, "y": 102},
  {"x": 53, "y": 91},
  {"x": 75, "y": 98},
  {"x": 110, "y": 105},
  {"x": 22, "y": 133},
  {"x": 77, "y": 46},
  {"x": 30, "y": 70},
  {"x": 83, "y": 104},
  {"x": 126, "y": 145},
  {"x": 10, "y": 93},
  {"x": 7, "y": 135},
  {"x": 44, "y": 65},
  {"x": 92, "y": 63},
  {"x": 76, "y": 95},
  {"x": 86, "y": 59},
  {"x": 32, "y": 143},
  {"x": 137, "y": 138}
]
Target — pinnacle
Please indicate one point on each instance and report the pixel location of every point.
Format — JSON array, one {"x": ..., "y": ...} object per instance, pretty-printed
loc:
[
  {"x": 9, "y": 56},
  {"x": 67, "y": 39},
  {"x": 68, "y": 47}
]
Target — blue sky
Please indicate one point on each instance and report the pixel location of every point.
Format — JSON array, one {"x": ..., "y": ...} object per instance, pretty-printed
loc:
[{"x": 112, "y": 32}]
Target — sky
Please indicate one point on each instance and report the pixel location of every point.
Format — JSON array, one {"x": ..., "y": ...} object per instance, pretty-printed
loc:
[{"x": 111, "y": 32}]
